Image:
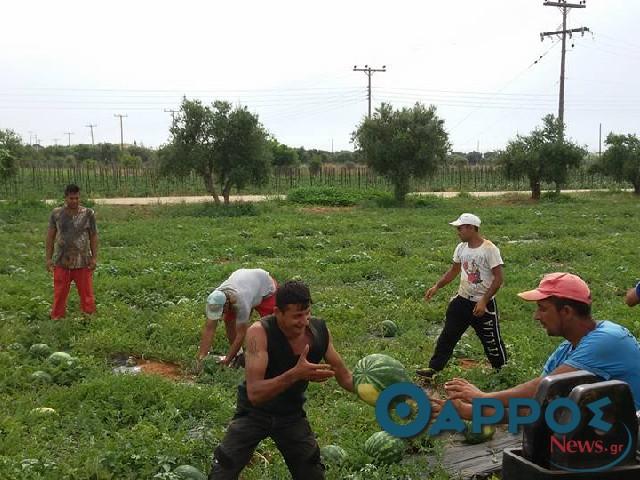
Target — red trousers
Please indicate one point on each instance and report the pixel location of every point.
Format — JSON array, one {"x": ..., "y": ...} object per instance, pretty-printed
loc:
[{"x": 62, "y": 277}]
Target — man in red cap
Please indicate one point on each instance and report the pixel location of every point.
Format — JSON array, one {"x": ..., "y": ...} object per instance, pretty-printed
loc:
[{"x": 603, "y": 348}]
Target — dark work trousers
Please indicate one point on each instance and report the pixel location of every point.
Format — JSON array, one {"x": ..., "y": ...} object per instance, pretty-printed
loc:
[
  {"x": 291, "y": 434},
  {"x": 458, "y": 318}
]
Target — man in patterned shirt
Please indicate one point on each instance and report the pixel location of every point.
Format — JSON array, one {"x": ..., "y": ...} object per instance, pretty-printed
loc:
[
  {"x": 72, "y": 252},
  {"x": 478, "y": 263}
]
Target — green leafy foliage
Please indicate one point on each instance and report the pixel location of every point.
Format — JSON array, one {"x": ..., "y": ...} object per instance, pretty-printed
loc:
[
  {"x": 401, "y": 144},
  {"x": 543, "y": 155}
]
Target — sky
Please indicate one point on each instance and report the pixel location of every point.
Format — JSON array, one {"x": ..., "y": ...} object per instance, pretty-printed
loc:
[{"x": 65, "y": 65}]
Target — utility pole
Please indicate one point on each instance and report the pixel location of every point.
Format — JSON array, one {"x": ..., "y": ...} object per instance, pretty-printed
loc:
[
  {"x": 68, "y": 134},
  {"x": 55, "y": 141},
  {"x": 91, "y": 126},
  {"x": 121, "y": 134},
  {"x": 563, "y": 5},
  {"x": 600, "y": 142},
  {"x": 369, "y": 72},
  {"x": 30, "y": 136},
  {"x": 173, "y": 114}
]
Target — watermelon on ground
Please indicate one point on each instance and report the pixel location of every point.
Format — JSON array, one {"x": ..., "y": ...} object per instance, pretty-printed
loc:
[
  {"x": 384, "y": 448},
  {"x": 40, "y": 350},
  {"x": 388, "y": 328},
  {"x": 484, "y": 436},
  {"x": 375, "y": 372},
  {"x": 41, "y": 377},
  {"x": 333, "y": 455},
  {"x": 187, "y": 472},
  {"x": 59, "y": 358}
]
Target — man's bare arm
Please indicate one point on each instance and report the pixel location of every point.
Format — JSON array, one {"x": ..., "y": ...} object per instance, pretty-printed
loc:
[
  {"x": 343, "y": 374},
  {"x": 445, "y": 280}
]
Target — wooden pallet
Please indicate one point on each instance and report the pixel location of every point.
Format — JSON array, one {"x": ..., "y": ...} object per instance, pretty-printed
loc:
[{"x": 475, "y": 462}]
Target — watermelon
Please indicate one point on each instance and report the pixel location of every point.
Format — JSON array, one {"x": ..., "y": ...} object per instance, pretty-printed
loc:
[
  {"x": 40, "y": 350},
  {"x": 187, "y": 472},
  {"x": 41, "y": 377},
  {"x": 333, "y": 455},
  {"x": 59, "y": 358},
  {"x": 373, "y": 373},
  {"x": 475, "y": 438},
  {"x": 388, "y": 328},
  {"x": 384, "y": 448}
]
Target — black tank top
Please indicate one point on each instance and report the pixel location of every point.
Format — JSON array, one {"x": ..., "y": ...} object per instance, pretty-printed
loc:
[{"x": 281, "y": 359}]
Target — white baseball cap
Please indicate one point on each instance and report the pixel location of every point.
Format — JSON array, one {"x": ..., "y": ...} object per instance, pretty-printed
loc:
[
  {"x": 466, "y": 219},
  {"x": 215, "y": 304}
]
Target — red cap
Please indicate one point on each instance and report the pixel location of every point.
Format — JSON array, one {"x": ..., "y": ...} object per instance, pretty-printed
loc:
[{"x": 562, "y": 285}]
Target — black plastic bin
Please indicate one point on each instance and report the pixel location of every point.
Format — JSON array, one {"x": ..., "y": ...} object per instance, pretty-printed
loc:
[{"x": 516, "y": 467}]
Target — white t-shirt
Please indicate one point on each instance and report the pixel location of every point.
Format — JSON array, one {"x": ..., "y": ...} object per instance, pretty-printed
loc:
[
  {"x": 476, "y": 264},
  {"x": 249, "y": 286}
]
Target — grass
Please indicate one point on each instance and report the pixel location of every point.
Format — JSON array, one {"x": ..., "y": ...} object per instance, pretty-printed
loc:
[{"x": 364, "y": 264}]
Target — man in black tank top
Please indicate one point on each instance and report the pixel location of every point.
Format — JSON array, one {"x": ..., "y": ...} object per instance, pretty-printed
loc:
[{"x": 283, "y": 354}]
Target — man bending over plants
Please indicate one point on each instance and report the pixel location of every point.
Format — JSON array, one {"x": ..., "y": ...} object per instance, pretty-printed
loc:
[
  {"x": 245, "y": 290},
  {"x": 284, "y": 351}
]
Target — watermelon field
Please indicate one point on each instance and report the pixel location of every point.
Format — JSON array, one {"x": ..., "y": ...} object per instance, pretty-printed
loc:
[{"x": 87, "y": 417}]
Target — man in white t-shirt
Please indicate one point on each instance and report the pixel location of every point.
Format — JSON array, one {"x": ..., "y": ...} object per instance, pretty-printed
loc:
[
  {"x": 479, "y": 264},
  {"x": 245, "y": 290}
]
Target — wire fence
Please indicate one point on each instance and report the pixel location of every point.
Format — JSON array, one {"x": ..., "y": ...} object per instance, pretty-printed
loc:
[{"x": 117, "y": 181}]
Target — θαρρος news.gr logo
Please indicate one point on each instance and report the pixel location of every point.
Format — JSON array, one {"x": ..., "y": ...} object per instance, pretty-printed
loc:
[{"x": 449, "y": 420}]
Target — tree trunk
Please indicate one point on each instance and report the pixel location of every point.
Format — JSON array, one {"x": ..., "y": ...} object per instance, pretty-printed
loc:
[
  {"x": 401, "y": 187},
  {"x": 226, "y": 191},
  {"x": 211, "y": 187},
  {"x": 558, "y": 188},
  {"x": 636, "y": 187},
  {"x": 535, "y": 189}
]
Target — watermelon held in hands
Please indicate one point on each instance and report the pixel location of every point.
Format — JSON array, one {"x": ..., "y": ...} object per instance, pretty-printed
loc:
[
  {"x": 187, "y": 472},
  {"x": 388, "y": 328},
  {"x": 373, "y": 373},
  {"x": 384, "y": 448},
  {"x": 333, "y": 455},
  {"x": 39, "y": 350},
  {"x": 474, "y": 438}
]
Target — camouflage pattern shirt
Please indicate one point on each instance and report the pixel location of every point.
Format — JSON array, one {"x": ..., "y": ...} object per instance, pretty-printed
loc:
[{"x": 72, "y": 248}]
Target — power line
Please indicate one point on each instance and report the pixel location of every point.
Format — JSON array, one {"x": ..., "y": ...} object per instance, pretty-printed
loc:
[
  {"x": 563, "y": 35},
  {"x": 369, "y": 72}
]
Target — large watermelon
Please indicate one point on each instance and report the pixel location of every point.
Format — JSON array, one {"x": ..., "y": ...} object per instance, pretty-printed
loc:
[
  {"x": 388, "y": 328},
  {"x": 373, "y": 373},
  {"x": 187, "y": 472},
  {"x": 333, "y": 455},
  {"x": 40, "y": 350},
  {"x": 384, "y": 448},
  {"x": 484, "y": 436}
]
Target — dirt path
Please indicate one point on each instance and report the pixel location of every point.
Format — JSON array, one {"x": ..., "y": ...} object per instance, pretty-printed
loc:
[{"x": 261, "y": 198}]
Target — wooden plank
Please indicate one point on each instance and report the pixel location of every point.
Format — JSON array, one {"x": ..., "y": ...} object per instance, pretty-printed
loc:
[{"x": 473, "y": 462}]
